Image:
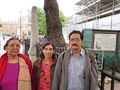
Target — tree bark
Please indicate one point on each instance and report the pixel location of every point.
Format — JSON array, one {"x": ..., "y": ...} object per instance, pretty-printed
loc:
[{"x": 54, "y": 26}]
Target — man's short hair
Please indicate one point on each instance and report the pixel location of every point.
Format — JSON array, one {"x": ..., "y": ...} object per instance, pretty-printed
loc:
[{"x": 76, "y": 32}]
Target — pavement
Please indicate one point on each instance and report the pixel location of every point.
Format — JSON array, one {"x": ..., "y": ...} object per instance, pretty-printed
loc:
[
  {"x": 108, "y": 86},
  {"x": 108, "y": 83}
]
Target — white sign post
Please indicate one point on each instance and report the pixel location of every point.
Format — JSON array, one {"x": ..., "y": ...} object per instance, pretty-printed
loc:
[{"x": 105, "y": 42}]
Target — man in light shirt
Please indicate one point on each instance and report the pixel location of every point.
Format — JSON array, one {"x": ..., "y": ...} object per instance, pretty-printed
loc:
[{"x": 75, "y": 69}]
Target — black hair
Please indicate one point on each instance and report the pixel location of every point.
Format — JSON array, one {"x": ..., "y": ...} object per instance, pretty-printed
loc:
[
  {"x": 76, "y": 32},
  {"x": 45, "y": 44}
]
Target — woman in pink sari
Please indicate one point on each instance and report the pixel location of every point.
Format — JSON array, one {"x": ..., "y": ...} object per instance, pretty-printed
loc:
[{"x": 15, "y": 68}]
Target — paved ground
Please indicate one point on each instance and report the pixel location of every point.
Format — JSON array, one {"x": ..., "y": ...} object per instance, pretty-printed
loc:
[
  {"x": 108, "y": 83},
  {"x": 108, "y": 86},
  {"x": 116, "y": 87}
]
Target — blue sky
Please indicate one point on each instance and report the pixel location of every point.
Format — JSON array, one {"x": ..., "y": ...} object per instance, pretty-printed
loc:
[{"x": 10, "y": 9}]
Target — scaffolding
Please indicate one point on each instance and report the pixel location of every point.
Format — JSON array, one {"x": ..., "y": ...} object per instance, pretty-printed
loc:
[{"x": 95, "y": 9}]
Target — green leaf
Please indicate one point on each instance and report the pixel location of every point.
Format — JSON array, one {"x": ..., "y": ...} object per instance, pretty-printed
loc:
[{"x": 42, "y": 21}]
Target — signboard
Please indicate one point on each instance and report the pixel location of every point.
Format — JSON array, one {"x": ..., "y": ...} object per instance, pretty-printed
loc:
[{"x": 105, "y": 42}]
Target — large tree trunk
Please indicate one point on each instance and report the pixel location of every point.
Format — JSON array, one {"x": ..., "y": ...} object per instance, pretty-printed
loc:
[{"x": 54, "y": 26}]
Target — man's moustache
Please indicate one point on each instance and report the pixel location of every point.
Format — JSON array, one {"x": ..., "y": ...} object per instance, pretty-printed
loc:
[{"x": 74, "y": 44}]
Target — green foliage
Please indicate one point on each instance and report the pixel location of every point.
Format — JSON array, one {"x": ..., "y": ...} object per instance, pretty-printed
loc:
[
  {"x": 62, "y": 18},
  {"x": 42, "y": 20}
]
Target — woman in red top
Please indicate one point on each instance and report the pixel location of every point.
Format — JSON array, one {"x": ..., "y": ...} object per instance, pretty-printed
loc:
[{"x": 44, "y": 67}]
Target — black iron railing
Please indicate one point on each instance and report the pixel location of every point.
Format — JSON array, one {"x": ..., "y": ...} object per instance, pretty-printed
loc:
[{"x": 108, "y": 73}]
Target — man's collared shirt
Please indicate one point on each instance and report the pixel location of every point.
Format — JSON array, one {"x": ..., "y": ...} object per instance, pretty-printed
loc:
[{"x": 76, "y": 71}]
